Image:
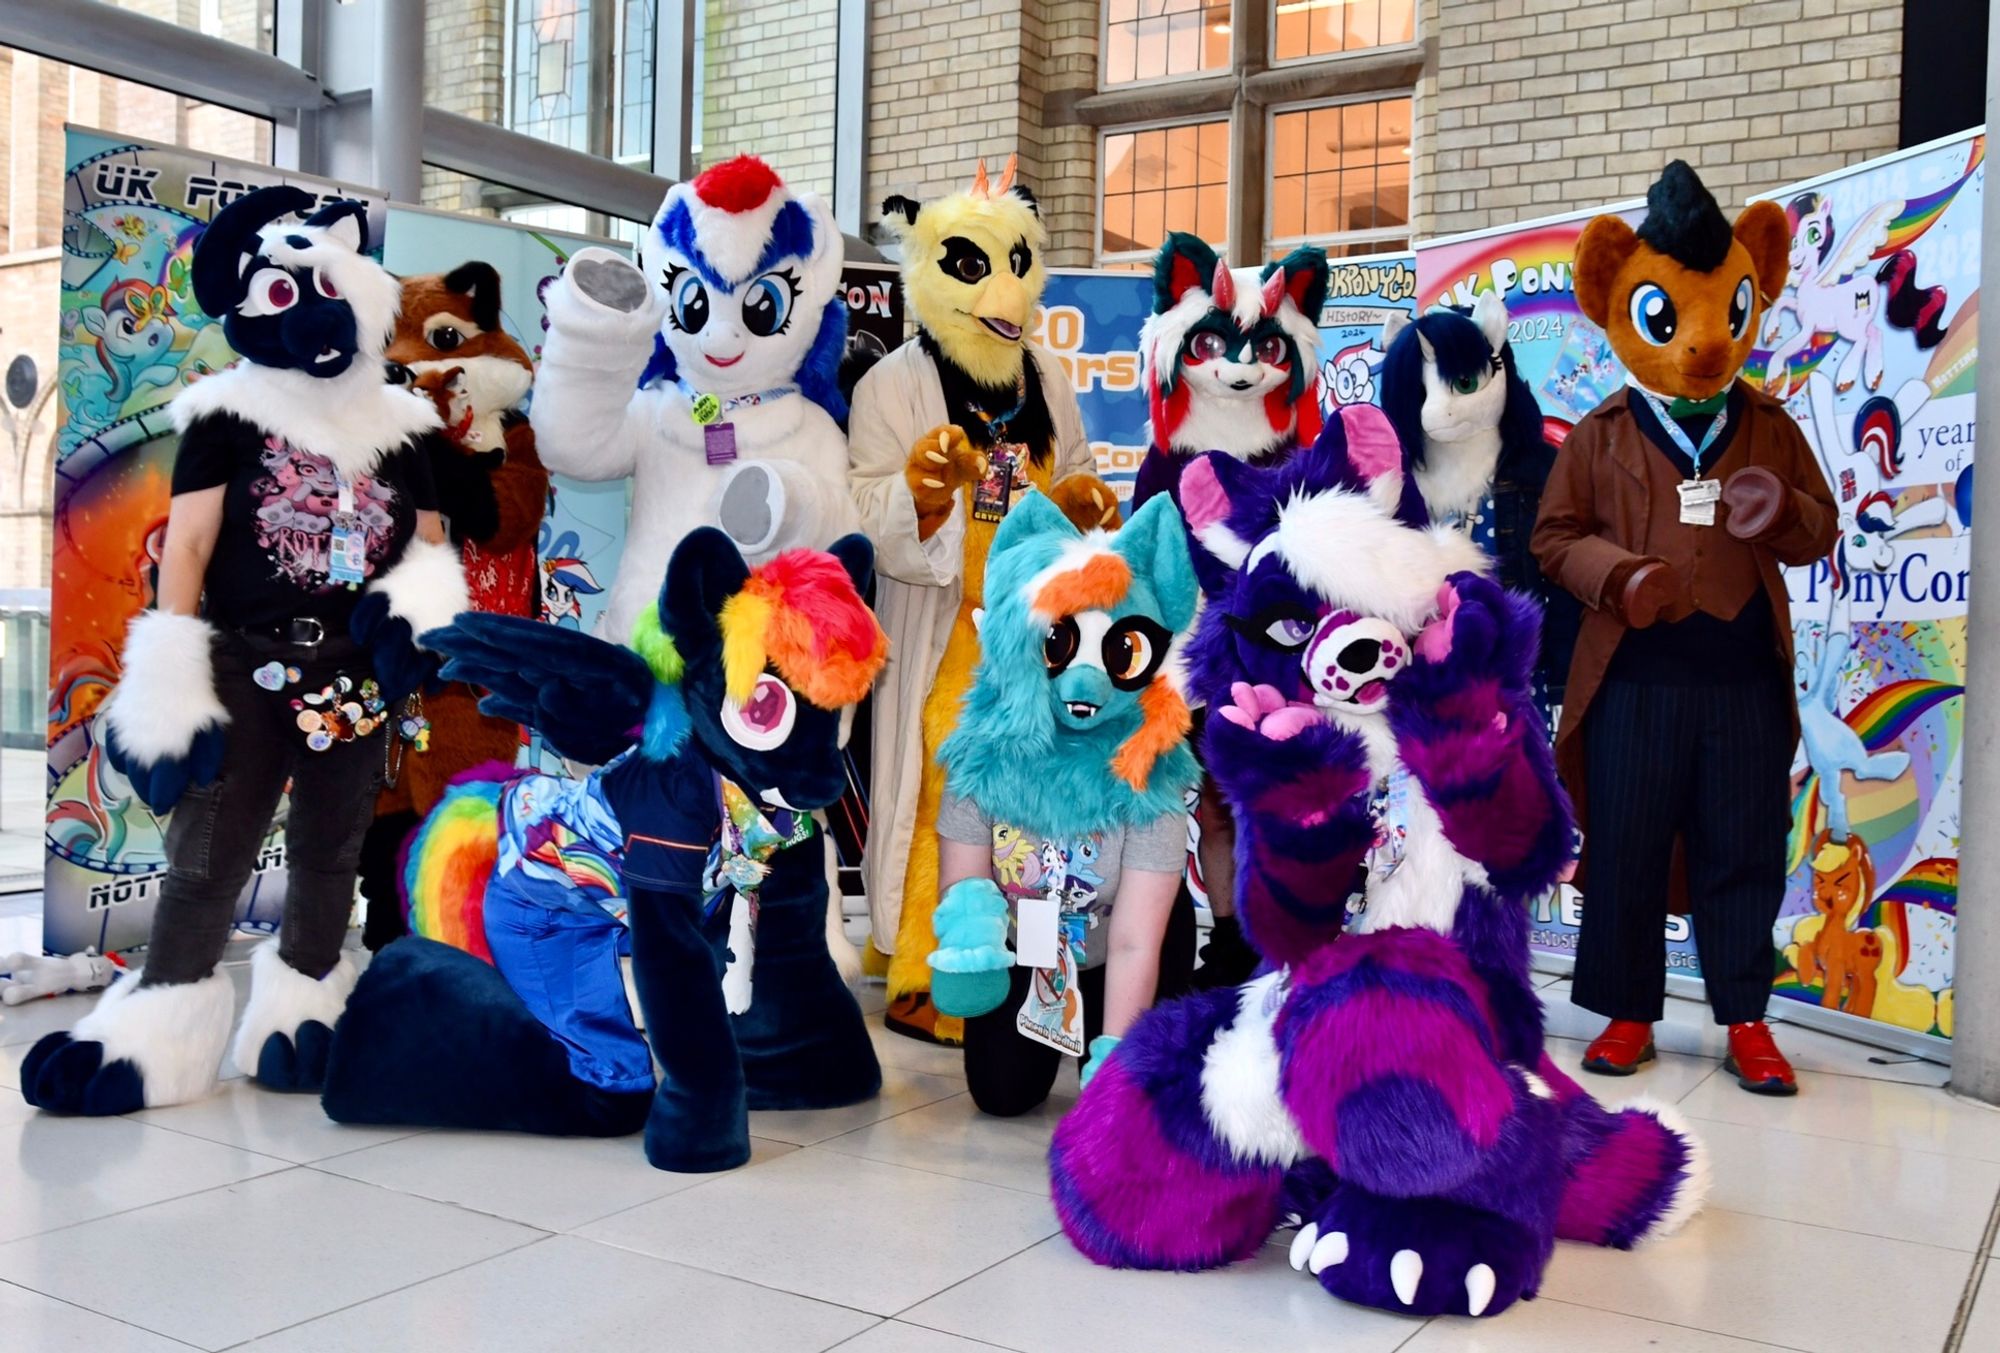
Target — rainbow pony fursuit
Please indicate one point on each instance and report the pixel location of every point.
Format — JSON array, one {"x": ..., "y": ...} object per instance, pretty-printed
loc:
[{"x": 692, "y": 849}]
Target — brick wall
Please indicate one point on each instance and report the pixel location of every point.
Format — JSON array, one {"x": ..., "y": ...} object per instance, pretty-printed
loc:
[
  {"x": 769, "y": 69},
  {"x": 1545, "y": 105},
  {"x": 465, "y": 71},
  {"x": 949, "y": 83}
]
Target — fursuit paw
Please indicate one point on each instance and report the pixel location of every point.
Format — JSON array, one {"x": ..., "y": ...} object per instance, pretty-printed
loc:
[
  {"x": 1088, "y": 502},
  {"x": 603, "y": 295},
  {"x": 139, "y": 1049},
  {"x": 1267, "y": 713},
  {"x": 943, "y": 461},
  {"x": 287, "y": 1029},
  {"x": 971, "y": 966},
  {"x": 1418, "y": 1256}
]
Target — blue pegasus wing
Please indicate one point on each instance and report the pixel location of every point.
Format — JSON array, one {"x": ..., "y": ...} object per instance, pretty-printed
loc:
[{"x": 584, "y": 696}]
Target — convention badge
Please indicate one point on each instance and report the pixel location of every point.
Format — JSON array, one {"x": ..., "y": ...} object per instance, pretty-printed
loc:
[
  {"x": 994, "y": 493},
  {"x": 1037, "y": 932},
  {"x": 292, "y": 676},
  {"x": 347, "y": 543},
  {"x": 705, "y": 409},
  {"x": 1389, "y": 813},
  {"x": 308, "y": 721},
  {"x": 1698, "y": 500},
  {"x": 1052, "y": 1014},
  {"x": 718, "y": 441},
  {"x": 271, "y": 676}
]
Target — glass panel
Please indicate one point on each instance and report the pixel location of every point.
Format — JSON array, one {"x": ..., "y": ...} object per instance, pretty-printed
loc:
[
  {"x": 1355, "y": 177},
  {"x": 635, "y": 80},
  {"x": 551, "y": 76},
  {"x": 1161, "y": 179},
  {"x": 247, "y": 23},
  {"x": 1399, "y": 21},
  {"x": 1151, "y": 39},
  {"x": 1288, "y": 206},
  {"x": 1357, "y": 134},
  {"x": 1392, "y": 192},
  {"x": 1322, "y": 138},
  {"x": 1330, "y": 27},
  {"x": 1182, "y": 156},
  {"x": 1290, "y": 38}
]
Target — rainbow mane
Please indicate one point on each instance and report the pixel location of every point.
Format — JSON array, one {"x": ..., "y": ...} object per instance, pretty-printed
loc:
[
  {"x": 800, "y": 614},
  {"x": 449, "y": 863}
]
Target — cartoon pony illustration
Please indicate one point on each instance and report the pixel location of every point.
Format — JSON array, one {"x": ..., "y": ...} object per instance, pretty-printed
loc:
[
  {"x": 1844, "y": 288},
  {"x": 565, "y": 581},
  {"x": 1827, "y": 743},
  {"x": 1387, "y": 1082},
  {"x": 1842, "y": 955},
  {"x": 506, "y": 1009}
]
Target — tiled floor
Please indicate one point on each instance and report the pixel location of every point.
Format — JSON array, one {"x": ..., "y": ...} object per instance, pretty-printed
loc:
[{"x": 1849, "y": 1218}]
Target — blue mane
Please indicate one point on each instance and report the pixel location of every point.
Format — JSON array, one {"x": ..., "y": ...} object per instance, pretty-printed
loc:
[{"x": 1461, "y": 350}]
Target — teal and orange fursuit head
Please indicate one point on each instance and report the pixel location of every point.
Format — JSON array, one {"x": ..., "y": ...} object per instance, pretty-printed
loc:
[{"x": 692, "y": 848}]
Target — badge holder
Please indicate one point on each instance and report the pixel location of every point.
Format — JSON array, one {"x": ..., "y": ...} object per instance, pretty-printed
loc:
[{"x": 995, "y": 491}]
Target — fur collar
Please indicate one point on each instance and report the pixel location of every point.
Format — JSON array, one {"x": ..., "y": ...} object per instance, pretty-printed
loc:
[{"x": 353, "y": 419}]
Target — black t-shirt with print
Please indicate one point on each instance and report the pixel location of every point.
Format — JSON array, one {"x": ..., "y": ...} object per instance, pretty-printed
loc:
[{"x": 278, "y": 508}]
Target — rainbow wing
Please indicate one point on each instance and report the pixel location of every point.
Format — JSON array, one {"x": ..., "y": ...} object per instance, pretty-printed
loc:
[{"x": 1921, "y": 213}]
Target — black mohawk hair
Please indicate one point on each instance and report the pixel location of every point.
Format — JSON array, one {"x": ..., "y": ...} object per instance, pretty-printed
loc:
[{"x": 1683, "y": 221}]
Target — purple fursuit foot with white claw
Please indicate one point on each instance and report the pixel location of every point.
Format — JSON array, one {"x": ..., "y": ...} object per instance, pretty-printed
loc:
[{"x": 1384, "y": 1087}]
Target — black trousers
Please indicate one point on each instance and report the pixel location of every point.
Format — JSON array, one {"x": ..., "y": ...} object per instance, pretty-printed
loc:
[
  {"x": 1009, "y": 1074},
  {"x": 215, "y": 831},
  {"x": 1711, "y": 764}
]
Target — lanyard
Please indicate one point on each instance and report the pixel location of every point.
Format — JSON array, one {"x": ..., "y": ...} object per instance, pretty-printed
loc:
[
  {"x": 706, "y": 409},
  {"x": 1679, "y": 435}
]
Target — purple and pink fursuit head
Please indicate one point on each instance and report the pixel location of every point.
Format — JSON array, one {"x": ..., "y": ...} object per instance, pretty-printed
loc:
[{"x": 1382, "y": 1083}]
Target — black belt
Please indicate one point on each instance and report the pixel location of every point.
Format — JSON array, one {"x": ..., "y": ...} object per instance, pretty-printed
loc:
[{"x": 301, "y": 631}]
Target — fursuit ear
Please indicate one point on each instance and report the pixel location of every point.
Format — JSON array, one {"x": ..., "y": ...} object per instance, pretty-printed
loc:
[
  {"x": 1185, "y": 263},
  {"x": 1306, "y": 274},
  {"x": 1371, "y": 448},
  {"x": 706, "y": 571},
  {"x": 1765, "y": 231},
  {"x": 231, "y": 241},
  {"x": 1036, "y": 514},
  {"x": 1489, "y": 312},
  {"x": 480, "y": 284},
  {"x": 1155, "y": 544},
  {"x": 896, "y": 207},
  {"x": 1211, "y": 486},
  {"x": 1601, "y": 250},
  {"x": 856, "y": 554},
  {"x": 1398, "y": 321},
  {"x": 345, "y": 222}
]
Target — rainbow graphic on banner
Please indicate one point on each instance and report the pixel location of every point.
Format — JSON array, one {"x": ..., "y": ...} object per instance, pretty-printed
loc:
[
  {"x": 1927, "y": 883},
  {"x": 1921, "y": 213},
  {"x": 1882, "y": 809}
]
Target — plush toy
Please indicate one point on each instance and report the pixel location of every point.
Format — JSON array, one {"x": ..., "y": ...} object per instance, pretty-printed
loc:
[
  {"x": 506, "y": 1009},
  {"x": 28, "y": 977},
  {"x": 1472, "y": 440},
  {"x": 947, "y": 432},
  {"x": 1397, "y": 811},
  {"x": 1669, "y": 512},
  {"x": 303, "y": 556},
  {"x": 706, "y": 373},
  {"x": 450, "y": 345},
  {"x": 1231, "y": 358},
  {"x": 1066, "y": 776}
]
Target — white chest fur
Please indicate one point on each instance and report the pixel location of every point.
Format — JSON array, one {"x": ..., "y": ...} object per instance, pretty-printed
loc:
[
  {"x": 1456, "y": 476},
  {"x": 1425, "y": 888}
]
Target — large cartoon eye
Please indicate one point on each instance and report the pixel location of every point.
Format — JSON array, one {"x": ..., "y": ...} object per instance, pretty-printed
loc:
[
  {"x": 1271, "y": 351},
  {"x": 272, "y": 291},
  {"x": 1653, "y": 314},
  {"x": 764, "y": 720},
  {"x": 1812, "y": 234},
  {"x": 446, "y": 337},
  {"x": 324, "y": 285},
  {"x": 1739, "y": 309},
  {"x": 964, "y": 261},
  {"x": 1289, "y": 631},
  {"x": 1206, "y": 346},
  {"x": 1133, "y": 650},
  {"x": 690, "y": 303},
  {"x": 1280, "y": 627},
  {"x": 1020, "y": 258},
  {"x": 1059, "y": 645},
  {"x": 1469, "y": 384},
  {"x": 767, "y": 304}
]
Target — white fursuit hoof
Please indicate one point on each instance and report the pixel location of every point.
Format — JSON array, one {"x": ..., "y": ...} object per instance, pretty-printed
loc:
[
  {"x": 287, "y": 1028},
  {"x": 139, "y": 1049}
]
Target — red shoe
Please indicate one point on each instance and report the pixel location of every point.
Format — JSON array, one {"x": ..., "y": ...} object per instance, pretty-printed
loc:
[
  {"x": 1623, "y": 1047},
  {"x": 1756, "y": 1062}
]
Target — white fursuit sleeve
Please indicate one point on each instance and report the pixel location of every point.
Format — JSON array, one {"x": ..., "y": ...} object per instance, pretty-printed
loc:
[
  {"x": 426, "y": 587},
  {"x": 166, "y": 690}
]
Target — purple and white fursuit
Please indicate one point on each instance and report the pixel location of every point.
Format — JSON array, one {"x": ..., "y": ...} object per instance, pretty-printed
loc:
[{"x": 1383, "y": 1081}]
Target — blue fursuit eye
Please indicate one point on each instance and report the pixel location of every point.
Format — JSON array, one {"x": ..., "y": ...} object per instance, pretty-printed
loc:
[
  {"x": 690, "y": 303},
  {"x": 1653, "y": 314},
  {"x": 767, "y": 304}
]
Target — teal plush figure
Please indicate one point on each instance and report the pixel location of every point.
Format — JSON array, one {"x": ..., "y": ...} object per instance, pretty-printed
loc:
[{"x": 1074, "y": 723}]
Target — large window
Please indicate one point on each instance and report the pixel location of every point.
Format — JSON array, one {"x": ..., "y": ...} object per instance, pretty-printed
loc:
[
  {"x": 1340, "y": 177},
  {"x": 1159, "y": 39},
  {"x": 1333, "y": 167},
  {"x": 1309, "y": 28},
  {"x": 1159, "y": 179}
]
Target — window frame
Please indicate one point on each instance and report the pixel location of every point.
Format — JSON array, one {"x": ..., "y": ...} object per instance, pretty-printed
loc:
[
  {"x": 1124, "y": 258},
  {"x": 1226, "y": 70},
  {"x": 1274, "y": 62},
  {"x": 1384, "y": 238}
]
